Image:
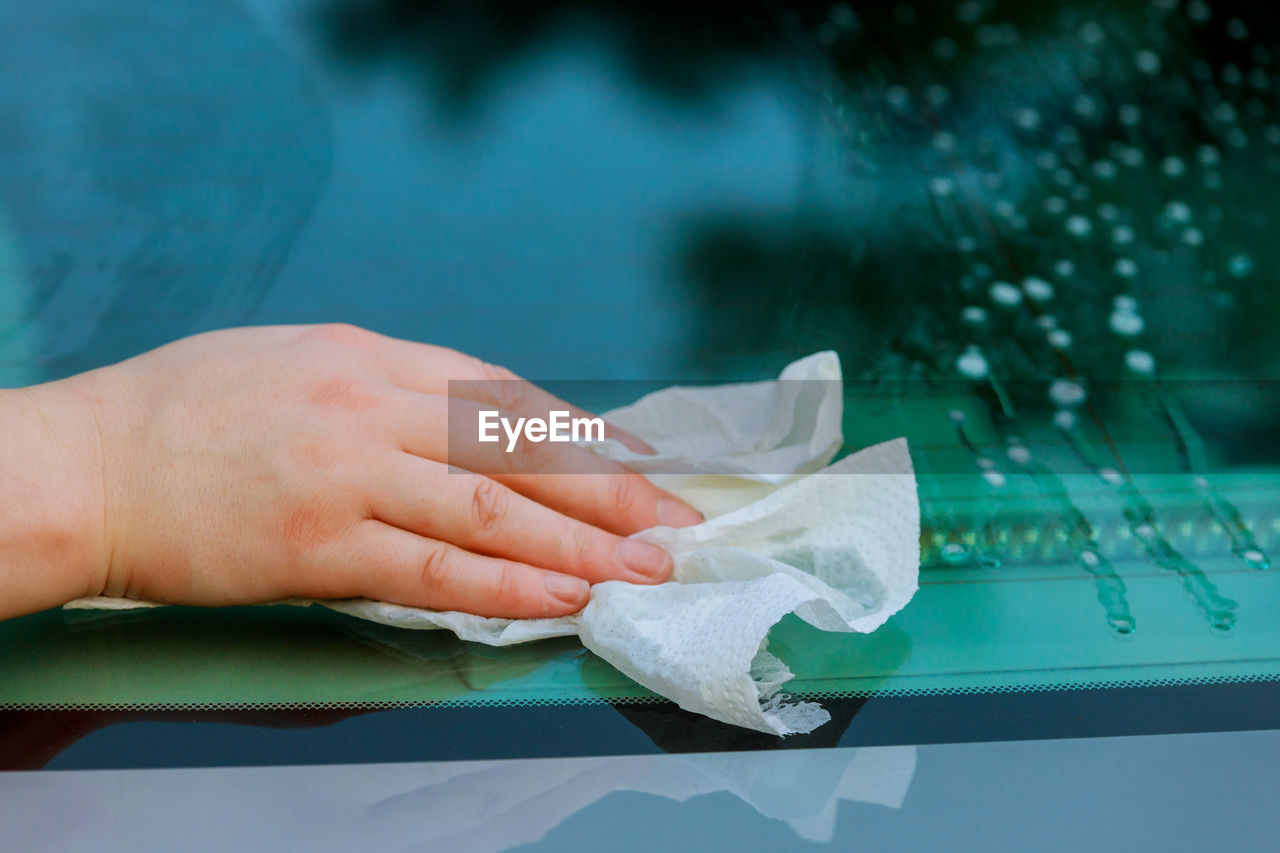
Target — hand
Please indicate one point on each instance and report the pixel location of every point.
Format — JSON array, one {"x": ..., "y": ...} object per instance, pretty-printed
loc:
[{"x": 257, "y": 464}]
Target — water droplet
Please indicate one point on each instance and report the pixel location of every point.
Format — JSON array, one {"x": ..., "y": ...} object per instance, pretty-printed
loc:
[
  {"x": 1174, "y": 167},
  {"x": 1037, "y": 288},
  {"x": 1019, "y": 454},
  {"x": 1003, "y": 293},
  {"x": 956, "y": 416},
  {"x": 1237, "y": 30},
  {"x": 994, "y": 478},
  {"x": 1193, "y": 237},
  {"x": 1147, "y": 61},
  {"x": 1078, "y": 226},
  {"x": 1240, "y": 265},
  {"x": 1127, "y": 323},
  {"x": 1125, "y": 267},
  {"x": 843, "y": 16},
  {"x": 898, "y": 97},
  {"x": 1027, "y": 118},
  {"x": 937, "y": 95},
  {"x": 1085, "y": 106},
  {"x": 1256, "y": 559},
  {"x": 1177, "y": 211},
  {"x": 1091, "y": 33},
  {"x": 1064, "y": 268},
  {"x": 1122, "y": 235},
  {"x": 1140, "y": 361},
  {"x": 1208, "y": 155},
  {"x": 1056, "y": 205},
  {"x": 1064, "y": 419},
  {"x": 1129, "y": 155},
  {"x": 942, "y": 186},
  {"x": 954, "y": 553},
  {"x": 944, "y": 141},
  {"x": 1111, "y": 475},
  {"x": 1105, "y": 169},
  {"x": 1198, "y": 11},
  {"x": 1059, "y": 338},
  {"x": 1121, "y": 624},
  {"x": 972, "y": 364},
  {"x": 1129, "y": 114},
  {"x": 975, "y": 314},
  {"x": 1066, "y": 392},
  {"x": 1067, "y": 135},
  {"x": 1124, "y": 302}
]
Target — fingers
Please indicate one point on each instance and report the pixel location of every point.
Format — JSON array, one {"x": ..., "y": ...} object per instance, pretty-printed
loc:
[
  {"x": 430, "y": 369},
  {"x": 570, "y": 479},
  {"x": 484, "y": 516},
  {"x": 390, "y": 564}
]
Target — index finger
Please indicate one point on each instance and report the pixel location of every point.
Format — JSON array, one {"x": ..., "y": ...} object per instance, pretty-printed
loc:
[{"x": 428, "y": 369}]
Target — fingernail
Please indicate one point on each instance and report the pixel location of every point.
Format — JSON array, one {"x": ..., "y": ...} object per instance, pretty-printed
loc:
[
  {"x": 644, "y": 559},
  {"x": 674, "y": 513},
  {"x": 568, "y": 589}
]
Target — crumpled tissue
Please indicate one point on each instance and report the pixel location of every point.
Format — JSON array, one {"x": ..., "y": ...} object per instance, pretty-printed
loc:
[{"x": 836, "y": 545}]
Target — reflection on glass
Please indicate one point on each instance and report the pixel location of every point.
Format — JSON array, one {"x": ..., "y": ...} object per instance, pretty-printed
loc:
[{"x": 466, "y": 805}]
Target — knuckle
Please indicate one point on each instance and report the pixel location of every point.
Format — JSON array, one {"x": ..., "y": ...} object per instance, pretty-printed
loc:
[
  {"x": 497, "y": 373},
  {"x": 623, "y": 495},
  {"x": 582, "y": 542},
  {"x": 436, "y": 568},
  {"x": 304, "y": 530},
  {"x": 508, "y": 591},
  {"x": 504, "y": 388},
  {"x": 340, "y": 334},
  {"x": 316, "y": 453},
  {"x": 341, "y": 391},
  {"x": 535, "y": 456},
  {"x": 490, "y": 504}
]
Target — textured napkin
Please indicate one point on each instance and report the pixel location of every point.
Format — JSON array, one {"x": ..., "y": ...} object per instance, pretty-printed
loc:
[{"x": 837, "y": 545}]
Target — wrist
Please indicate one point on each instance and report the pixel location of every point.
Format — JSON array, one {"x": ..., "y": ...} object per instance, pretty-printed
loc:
[{"x": 54, "y": 532}]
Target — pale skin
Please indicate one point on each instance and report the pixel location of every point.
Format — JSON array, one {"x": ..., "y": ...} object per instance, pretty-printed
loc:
[{"x": 258, "y": 464}]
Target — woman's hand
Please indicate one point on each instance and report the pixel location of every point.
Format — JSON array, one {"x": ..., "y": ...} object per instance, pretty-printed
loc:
[{"x": 257, "y": 464}]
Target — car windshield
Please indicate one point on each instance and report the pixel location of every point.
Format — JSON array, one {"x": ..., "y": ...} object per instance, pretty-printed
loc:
[{"x": 1039, "y": 236}]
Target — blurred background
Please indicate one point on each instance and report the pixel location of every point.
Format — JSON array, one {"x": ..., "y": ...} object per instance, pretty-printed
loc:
[{"x": 1039, "y": 235}]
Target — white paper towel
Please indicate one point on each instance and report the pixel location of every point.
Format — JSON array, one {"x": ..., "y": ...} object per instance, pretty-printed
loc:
[{"x": 838, "y": 547}]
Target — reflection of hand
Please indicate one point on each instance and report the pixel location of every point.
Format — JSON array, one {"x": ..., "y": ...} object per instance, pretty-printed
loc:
[{"x": 258, "y": 464}]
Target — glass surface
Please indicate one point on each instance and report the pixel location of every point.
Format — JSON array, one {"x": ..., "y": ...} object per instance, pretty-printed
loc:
[
  {"x": 1184, "y": 792},
  {"x": 1039, "y": 236}
]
